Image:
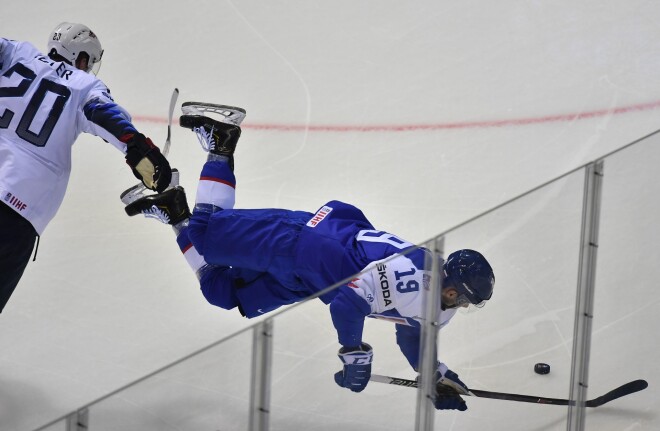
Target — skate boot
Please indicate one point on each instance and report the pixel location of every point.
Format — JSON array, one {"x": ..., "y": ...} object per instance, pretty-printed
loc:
[
  {"x": 217, "y": 137},
  {"x": 140, "y": 190},
  {"x": 169, "y": 207}
]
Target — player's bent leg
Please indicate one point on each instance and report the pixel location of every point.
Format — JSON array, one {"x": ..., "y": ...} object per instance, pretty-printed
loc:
[
  {"x": 217, "y": 187},
  {"x": 261, "y": 240},
  {"x": 17, "y": 237},
  {"x": 216, "y": 191},
  {"x": 254, "y": 293},
  {"x": 218, "y": 285},
  {"x": 169, "y": 207},
  {"x": 193, "y": 257},
  {"x": 217, "y": 137},
  {"x": 196, "y": 231}
]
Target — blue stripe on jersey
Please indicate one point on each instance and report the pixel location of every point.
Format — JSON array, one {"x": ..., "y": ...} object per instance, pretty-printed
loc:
[{"x": 108, "y": 116}]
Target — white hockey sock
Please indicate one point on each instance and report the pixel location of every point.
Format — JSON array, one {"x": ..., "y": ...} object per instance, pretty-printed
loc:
[
  {"x": 216, "y": 192},
  {"x": 217, "y": 185},
  {"x": 195, "y": 260}
]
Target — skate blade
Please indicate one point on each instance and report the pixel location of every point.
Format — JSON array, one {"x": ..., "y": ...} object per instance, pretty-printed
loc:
[
  {"x": 134, "y": 193},
  {"x": 230, "y": 114},
  {"x": 139, "y": 191}
]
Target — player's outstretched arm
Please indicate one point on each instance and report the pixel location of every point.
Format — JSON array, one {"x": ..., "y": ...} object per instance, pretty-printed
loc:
[
  {"x": 112, "y": 123},
  {"x": 449, "y": 386},
  {"x": 407, "y": 337},
  {"x": 348, "y": 311}
]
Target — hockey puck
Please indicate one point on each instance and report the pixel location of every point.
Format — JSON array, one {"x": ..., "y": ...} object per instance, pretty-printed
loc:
[{"x": 542, "y": 368}]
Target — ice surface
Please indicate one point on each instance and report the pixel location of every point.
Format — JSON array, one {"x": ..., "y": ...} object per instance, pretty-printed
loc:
[{"x": 423, "y": 114}]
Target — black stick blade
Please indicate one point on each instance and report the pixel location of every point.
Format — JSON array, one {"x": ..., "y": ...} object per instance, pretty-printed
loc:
[{"x": 621, "y": 391}]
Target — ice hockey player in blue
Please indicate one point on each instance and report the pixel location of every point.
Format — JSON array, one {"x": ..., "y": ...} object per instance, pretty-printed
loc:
[
  {"x": 47, "y": 101},
  {"x": 257, "y": 260}
]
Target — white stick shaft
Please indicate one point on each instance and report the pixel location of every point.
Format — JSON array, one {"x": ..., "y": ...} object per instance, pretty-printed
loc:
[{"x": 166, "y": 147}]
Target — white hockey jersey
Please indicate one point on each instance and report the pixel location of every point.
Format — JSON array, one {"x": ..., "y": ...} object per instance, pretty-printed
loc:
[
  {"x": 393, "y": 288},
  {"x": 41, "y": 115}
]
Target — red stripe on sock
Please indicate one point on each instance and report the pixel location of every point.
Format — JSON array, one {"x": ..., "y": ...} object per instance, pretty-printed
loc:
[
  {"x": 218, "y": 180},
  {"x": 186, "y": 248}
]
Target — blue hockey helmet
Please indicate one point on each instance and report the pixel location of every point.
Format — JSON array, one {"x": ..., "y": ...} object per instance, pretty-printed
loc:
[{"x": 470, "y": 274}]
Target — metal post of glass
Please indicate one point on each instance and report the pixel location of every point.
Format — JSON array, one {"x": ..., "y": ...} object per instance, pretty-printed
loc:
[
  {"x": 429, "y": 337},
  {"x": 78, "y": 420},
  {"x": 260, "y": 386},
  {"x": 585, "y": 296}
]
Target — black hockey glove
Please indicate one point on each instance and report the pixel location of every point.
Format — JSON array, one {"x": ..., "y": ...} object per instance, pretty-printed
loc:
[
  {"x": 147, "y": 162},
  {"x": 357, "y": 367}
]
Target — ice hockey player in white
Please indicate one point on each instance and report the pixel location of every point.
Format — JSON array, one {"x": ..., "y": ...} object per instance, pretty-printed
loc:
[{"x": 47, "y": 100}]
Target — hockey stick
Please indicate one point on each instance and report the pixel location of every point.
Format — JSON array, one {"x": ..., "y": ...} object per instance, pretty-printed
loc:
[
  {"x": 621, "y": 391},
  {"x": 168, "y": 142},
  {"x": 137, "y": 191}
]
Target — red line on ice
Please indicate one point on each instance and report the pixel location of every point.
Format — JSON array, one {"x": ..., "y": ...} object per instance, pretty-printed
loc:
[{"x": 438, "y": 126}]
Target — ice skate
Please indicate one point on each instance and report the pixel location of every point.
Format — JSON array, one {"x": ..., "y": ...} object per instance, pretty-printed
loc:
[
  {"x": 228, "y": 114},
  {"x": 169, "y": 207},
  {"x": 140, "y": 191},
  {"x": 219, "y": 136}
]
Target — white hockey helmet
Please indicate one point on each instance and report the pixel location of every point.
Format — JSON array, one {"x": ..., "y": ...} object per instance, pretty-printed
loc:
[{"x": 69, "y": 40}]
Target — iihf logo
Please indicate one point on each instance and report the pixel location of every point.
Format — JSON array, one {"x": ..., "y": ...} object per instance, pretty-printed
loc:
[
  {"x": 319, "y": 216},
  {"x": 14, "y": 202}
]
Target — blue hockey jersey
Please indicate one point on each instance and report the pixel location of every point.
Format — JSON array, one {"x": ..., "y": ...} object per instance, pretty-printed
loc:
[{"x": 272, "y": 257}]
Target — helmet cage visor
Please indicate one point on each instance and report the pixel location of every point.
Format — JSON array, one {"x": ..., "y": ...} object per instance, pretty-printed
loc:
[
  {"x": 93, "y": 62},
  {"x": 95, "y": 66},
  {"x": 463, "y": 300}
]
